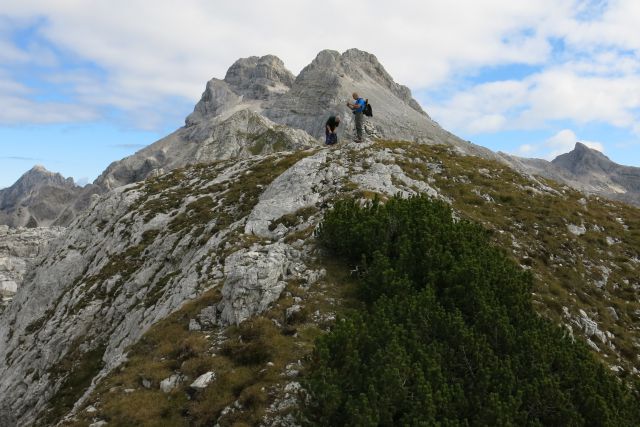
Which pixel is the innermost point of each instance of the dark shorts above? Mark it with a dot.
(331, 138)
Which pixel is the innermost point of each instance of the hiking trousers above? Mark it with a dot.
(359, 124)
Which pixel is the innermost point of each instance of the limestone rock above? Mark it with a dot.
(577, 230)
(238, 134)
(259, 78)
(19, 248)
(217, 98)
(169, 384)
(254, 279)
(203, 380)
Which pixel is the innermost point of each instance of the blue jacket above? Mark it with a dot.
(361, 104)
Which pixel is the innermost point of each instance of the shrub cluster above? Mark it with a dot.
(449, 335)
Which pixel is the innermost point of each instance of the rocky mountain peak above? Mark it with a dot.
(248, 79)
(39, 175)
(265, 86)
(32, 200)
(254, 67)
(259, 78)
(584, 160)
(292, 112)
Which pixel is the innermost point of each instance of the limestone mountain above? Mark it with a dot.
(289, 112)
(231, 242)
(39, 198)
(591, 167)
(587, 170)
(191, 289)
(262, 93)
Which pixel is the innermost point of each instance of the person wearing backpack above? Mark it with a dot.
(358, 107)
(330, 130)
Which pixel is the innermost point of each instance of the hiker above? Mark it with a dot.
(358, 108)
(330, 130)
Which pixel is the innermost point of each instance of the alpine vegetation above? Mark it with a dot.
(447, 334)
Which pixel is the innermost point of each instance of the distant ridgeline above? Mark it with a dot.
(449, 335)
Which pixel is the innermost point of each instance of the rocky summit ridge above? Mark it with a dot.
(143, 297)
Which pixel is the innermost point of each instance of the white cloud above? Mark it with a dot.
(149, 53)
(170, 49)
(558, 94)
(16, 107)
(16, 110)
(554, 94)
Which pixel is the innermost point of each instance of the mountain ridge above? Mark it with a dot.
(235, 236)
(273, 96)
(587, 170)
(143, 297)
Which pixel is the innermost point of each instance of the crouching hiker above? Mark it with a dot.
(358, 109)
(330, 130)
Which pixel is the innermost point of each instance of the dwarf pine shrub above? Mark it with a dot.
(449, 335)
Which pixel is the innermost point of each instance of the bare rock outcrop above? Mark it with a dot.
(19, 249)
(238, 134)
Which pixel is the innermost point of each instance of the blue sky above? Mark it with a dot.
(83, 84)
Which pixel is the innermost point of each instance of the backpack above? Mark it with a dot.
(367, 111)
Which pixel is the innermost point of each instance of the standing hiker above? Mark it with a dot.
(358, 108)
(330, 130)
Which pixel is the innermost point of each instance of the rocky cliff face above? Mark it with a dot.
(241, 134)
(591, 167)
(39, 198)
(18, 250)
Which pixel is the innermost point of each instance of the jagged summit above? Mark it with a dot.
(259, 78)
(36, 199)
(261, 90)
(584, 160)
(591, 167)
(322, 88)
(248, 79)
(587, 170)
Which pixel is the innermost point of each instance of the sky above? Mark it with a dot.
(84, 83)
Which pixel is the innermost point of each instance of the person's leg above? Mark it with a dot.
(359, 123)
(327, 137)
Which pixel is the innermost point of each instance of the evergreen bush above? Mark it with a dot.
(449, 335)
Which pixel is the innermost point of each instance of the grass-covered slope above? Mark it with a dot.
(449, 335)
